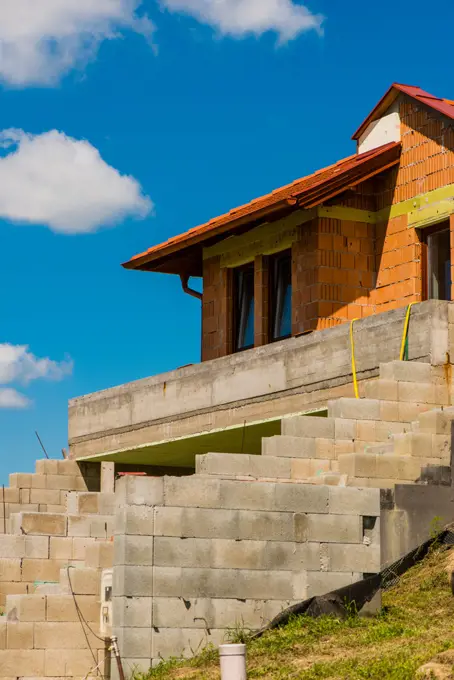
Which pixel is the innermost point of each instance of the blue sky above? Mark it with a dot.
(197, 108)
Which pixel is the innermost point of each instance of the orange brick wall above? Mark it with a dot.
(427, 163)
(261, 300)
(305, 293)
(333, 274)
(398, 263)
(216, 310)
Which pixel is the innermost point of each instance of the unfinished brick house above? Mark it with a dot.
(264, 479)
(365, 235)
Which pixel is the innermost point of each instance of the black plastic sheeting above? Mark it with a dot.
(340, 603)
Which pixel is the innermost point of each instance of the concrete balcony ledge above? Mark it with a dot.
(263, 384)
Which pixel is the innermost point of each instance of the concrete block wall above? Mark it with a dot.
(374, 441)
(41, 635)
(194, 556)
(45, 490)
(53, 554)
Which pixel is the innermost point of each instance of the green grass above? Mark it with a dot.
(415, 624)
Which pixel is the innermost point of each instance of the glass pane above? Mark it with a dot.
(282, 297)
(244, 312)
(439, 273)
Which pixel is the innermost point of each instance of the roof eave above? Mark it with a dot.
(158, 259)
(269, 211)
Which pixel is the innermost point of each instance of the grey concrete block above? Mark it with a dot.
(267, 555)
(355, 409)
(133, 550)
(382, 389)
(12, 546)
(289, 447)
(102, 527)
(20, 480)
(358, 464)
(37, 547)
(129, 581)
(246, 495)
(222, 463)
(385, 431)
(194, 491)
(39, 524)
(303, 469)
(133, 666)
(243, 464)
(354, 558)
(218, 613)
(302, 498)
(406, 371)
(418, 444)
(233, 524)
(183, 552)
(10, 569)
(312, 583)
(350, 501)
(416, 392)
(344, 428)
(46, 467)
(436, 421)
(177, 612)
(132, 612)
(184, 642)
(140, 491)
(79, 525)
(308, 426)
(134, 520)
(25, 608)
(398, 467)
(329, 528)
(135, 642)
(45, 496)
(441, 447)
(222, 583)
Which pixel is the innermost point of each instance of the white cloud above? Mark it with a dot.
(40, 40)
(11, 398)
(240, 17)
(63, 183)
(19, 365)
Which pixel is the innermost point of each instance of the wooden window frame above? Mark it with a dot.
(424, 233)
(235, 310)
(272, 293)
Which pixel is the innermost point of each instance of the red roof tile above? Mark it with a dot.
(444, 106)
(306, 192)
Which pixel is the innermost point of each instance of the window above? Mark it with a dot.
(281, 296)
(438, 264)
(243, 283)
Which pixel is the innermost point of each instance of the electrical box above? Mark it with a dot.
(106, 602)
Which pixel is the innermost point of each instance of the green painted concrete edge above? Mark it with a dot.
(181, 451)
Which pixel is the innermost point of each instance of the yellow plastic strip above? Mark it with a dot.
(352, 345)
(404, 336)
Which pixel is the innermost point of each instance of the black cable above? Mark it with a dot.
(83, 620)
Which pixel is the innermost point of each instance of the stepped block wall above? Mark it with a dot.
(51, 559)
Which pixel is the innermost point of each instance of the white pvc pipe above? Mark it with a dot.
(233, 662)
